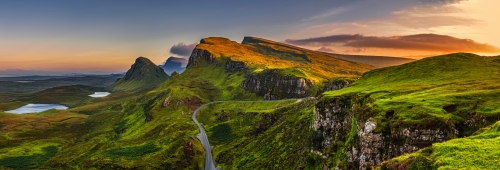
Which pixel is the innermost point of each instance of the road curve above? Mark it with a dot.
(209, 162)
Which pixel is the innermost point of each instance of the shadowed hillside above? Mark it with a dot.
(142, 74)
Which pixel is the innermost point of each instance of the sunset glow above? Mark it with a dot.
(108, 36)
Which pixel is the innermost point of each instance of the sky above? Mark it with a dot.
(96, 36)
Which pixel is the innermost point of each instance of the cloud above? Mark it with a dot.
(183, 49)
(419, 42)
(325, 49)
(326, 14)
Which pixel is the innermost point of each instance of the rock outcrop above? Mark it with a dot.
(270, 84)
(273, 85)
(200, 55)
(345, 126)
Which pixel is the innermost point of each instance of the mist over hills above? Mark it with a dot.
(174, 64)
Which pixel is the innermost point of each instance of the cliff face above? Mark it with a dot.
(198, 56)
(273, 85)
(344, 126)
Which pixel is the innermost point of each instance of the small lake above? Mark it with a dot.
(100, 94)
(36, 108)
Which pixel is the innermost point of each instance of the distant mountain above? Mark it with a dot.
(142, 74)
(21, 72)
(174, 64)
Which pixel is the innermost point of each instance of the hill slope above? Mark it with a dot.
(378, 61)
(142, 74)
(475, 152)
(274, 70)
(396, 110)
(66, 95)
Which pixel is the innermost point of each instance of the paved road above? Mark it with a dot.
(209, 162)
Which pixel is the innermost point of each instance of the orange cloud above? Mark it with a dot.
(418, 42)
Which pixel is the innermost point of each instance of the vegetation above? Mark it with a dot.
(146, 123)
(12, 88)
(479, 151)
(247, 135)
(66, 95)
(142, 74)
(446, 89)
(261, 54)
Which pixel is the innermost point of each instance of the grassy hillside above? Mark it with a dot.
(256, 135)
(11, 88)
(66, 95)
(142, 74)
(377, 61)
(106, 133)
(260, 54)
(445, 88)
(479, 151)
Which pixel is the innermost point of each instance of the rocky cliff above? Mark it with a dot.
(346, 133)
(273, 85)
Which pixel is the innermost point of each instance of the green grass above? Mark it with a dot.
(475, 152)
(29, 161)
(132, 152)
(418, 91)
(66, 95)
(248, 135)
(142, 75)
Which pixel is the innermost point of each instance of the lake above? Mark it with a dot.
(36, 108)
(99, 94)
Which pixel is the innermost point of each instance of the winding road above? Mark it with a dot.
(209, 162)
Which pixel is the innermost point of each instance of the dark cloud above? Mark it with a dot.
(325, 49)
(422, 42)
(328, 40)
(183, 49)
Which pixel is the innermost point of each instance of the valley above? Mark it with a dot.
(261, 104)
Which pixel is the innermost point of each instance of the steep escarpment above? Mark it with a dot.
(348, 135)
(398, 110)
(273, 85)
(273, 70)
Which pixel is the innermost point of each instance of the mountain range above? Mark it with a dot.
(174, 64)
(340, 112)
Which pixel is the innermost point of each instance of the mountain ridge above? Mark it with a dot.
(142, 74)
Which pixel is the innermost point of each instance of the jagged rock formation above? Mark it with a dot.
(273, 85)
(174, 64)
(344, 125)
(142, 74)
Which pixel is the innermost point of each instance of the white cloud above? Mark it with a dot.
(326, 14)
